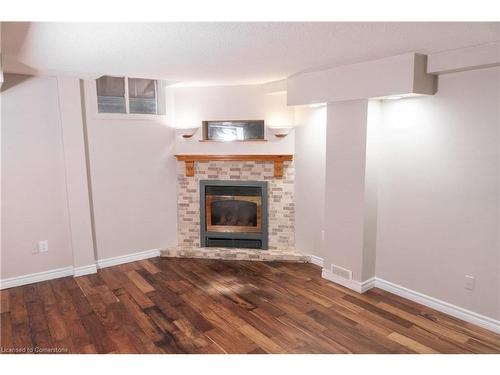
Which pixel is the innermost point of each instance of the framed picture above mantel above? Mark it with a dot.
(233, 130)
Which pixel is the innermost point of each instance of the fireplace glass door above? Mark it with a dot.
(233, 213)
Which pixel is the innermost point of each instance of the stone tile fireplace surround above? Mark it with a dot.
(281, 210)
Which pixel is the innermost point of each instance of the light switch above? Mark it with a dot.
(43, 246)
(469, 282)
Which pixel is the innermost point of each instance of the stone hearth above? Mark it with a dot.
(237, 254)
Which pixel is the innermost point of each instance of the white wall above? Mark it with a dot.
(310, 148)
(371, 189)
(196, 104)
(438, 186)
(34, 200)
(75, 163)
(45, 189)
(345, 185)
(133, 179)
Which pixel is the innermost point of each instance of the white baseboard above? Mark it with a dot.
(108, 262)
(439, 305)
(368, 284)
(434, 303)
(317, 260)
(84, 270)
(36, 277)
(76, 271)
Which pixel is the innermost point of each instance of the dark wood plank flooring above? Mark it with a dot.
(167, 305)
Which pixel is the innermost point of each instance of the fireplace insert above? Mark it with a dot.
(233, 214)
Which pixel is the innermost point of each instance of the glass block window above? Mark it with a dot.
(142, 96)
(111, 95)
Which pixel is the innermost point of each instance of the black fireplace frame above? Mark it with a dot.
(218, 239)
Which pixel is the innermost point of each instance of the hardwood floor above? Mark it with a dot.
(168, 305)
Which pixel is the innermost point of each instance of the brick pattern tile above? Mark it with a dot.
(280, 199)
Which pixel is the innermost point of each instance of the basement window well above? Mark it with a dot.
(128, 95)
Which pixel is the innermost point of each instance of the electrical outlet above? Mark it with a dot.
(43, 246)
(469, 282)
(322, 235)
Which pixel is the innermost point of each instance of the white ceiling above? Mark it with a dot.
(221, 53)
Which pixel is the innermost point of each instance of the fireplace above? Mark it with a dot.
(233, 214)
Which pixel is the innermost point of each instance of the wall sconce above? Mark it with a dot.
(280, 123)
(281, 132)
(188, 132)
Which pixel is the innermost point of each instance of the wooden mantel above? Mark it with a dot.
(278, 160)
